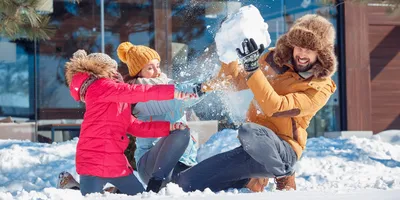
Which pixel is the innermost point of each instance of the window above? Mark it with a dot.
(78, 27)
(16, 69)
(193, 52)
(124, 21)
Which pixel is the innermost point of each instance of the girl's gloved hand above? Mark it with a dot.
(184, 95)
(198, 89)
(178, 126)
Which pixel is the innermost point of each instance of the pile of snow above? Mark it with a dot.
(34, 166)
(390, 136)
(348, 164)
(52, 193)
(340, 168)
(246, 23)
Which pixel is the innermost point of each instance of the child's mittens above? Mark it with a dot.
(184, 95)
(178, 126)
(198, 89)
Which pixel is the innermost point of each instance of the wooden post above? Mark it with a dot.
(384, 48)
(358, 85)
(163, 34)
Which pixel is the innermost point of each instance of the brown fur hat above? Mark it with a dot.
(311, 32)
(99, 65)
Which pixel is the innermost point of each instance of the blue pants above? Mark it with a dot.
(161, 161)
(262, 154)
(129, 185)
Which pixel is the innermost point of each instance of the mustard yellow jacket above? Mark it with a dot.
(283, 100)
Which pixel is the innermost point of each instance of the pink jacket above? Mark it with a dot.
(107, 120)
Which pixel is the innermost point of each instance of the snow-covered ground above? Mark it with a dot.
(346, 169)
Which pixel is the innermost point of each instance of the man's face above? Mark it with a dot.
(303, 58)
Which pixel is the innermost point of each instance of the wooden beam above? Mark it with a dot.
(358, 83)
(61, 113)
(163, 34)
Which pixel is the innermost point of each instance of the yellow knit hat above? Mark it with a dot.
(136, 56)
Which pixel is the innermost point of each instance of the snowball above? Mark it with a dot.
(246, 23)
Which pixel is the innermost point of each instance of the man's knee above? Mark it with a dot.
(253, 128)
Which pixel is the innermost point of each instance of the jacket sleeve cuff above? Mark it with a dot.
(257, 80)
(164, 129)
(169, 91)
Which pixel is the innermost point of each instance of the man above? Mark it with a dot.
(290, 84)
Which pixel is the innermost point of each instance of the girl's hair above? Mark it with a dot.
(131, 79)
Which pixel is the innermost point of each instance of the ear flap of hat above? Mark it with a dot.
(283, 51)
(74, 65)
(326, 65)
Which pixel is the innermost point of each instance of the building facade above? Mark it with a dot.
(32, 85)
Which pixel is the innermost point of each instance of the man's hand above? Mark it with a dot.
(250, 54)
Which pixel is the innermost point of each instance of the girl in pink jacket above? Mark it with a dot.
(94, 80)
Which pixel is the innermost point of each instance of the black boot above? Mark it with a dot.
(154, 185)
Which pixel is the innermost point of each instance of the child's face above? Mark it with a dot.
(151, 69)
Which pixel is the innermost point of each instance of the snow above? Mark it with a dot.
(391, 136)
(34, 166)
(236, 104)
(222, 141)
(342, 168)
(349, 164)
(246, 23)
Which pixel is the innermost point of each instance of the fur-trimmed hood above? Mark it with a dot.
(96, 64)
(311, 32)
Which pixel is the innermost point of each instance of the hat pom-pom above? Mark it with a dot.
(80, 54)
(123, 50)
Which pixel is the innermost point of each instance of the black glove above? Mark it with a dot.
(197, 89)
(250, 54)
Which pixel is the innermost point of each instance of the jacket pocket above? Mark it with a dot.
(121, 142)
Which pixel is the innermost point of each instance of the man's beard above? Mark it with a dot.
(302, 68)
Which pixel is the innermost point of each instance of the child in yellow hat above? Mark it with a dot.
(158, 160)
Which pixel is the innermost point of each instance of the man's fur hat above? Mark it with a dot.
(311, 32)
(99, 65)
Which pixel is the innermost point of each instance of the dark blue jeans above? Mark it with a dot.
(262, 154)
(161, 161)
(129, 185)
